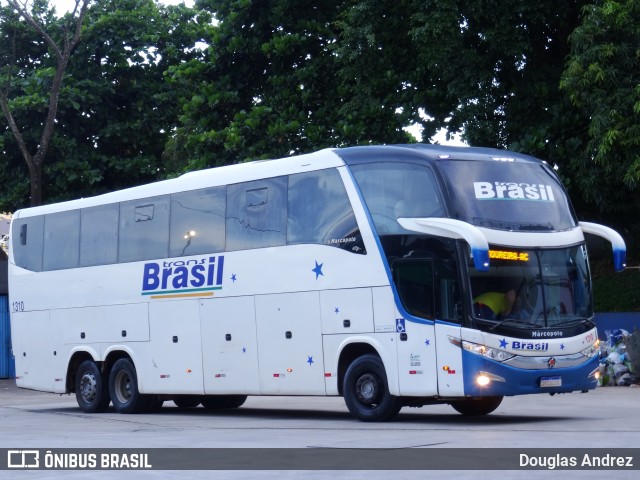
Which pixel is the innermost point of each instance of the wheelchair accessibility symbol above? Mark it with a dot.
(400, 325)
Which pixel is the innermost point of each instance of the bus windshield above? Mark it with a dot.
(541, 288)
(512, 196)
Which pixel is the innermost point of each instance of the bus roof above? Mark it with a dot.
(353, 155)
(243, 172)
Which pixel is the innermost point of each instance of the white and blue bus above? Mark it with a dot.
(390, 275)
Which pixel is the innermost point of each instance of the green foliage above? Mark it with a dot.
(602, 79)
(269, 86)
(272, 78)
(116, 109)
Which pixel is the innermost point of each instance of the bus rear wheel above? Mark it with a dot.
(366, 392)
(92, 389)
(219, 402)
(476, 406)
(123, 388)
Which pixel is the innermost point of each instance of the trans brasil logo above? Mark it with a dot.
(513, 191)
(183, 278)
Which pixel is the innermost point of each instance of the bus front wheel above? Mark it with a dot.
(123, 387)
(477, 405)
(92, 389)
(366, 392)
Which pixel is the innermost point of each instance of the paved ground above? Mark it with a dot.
(608, 418)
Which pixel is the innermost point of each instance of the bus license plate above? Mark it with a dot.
(546, 382)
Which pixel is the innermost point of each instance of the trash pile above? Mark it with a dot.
(619, 359)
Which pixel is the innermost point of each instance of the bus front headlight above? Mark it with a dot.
(592, 350)
(489, 352)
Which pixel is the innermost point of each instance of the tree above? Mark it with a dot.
(602, 79)
(269, 85)
(120, 111)
(116, 110)
(61, 42)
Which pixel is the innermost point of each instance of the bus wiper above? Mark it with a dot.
(514, 320)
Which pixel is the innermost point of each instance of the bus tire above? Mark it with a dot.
(366, 392)
(476, 406)
(123, 388)
(220, 402)
(187, 401)
(154, 403)
(92, 388)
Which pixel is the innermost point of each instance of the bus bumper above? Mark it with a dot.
(485, 377)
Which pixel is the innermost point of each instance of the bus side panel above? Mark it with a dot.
(417, 359)
(33, 347)
(449, 363)
(103, 324)
(175, 363)
(229, 345)
(290, 344)
(346, 311)
(384, 309)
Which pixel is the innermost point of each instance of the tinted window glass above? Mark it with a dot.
(197, 222)
(320, 211)
(257, 214)
(99, 235)
(144, 229)
(398, 190)
(512, 196)
(27, 242)
(61, 240)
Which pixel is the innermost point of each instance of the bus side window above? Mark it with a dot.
(144, 229)
(319, 211)
(27, 242)
(256, 214)
(448, 298)
(197, 222)
(414, 282)
(99, 235)
(61, 240)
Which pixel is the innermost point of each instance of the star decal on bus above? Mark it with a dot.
(310, 360)
(234, 277)
(504, 343)
(318, 269)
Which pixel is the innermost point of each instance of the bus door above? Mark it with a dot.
(429, 293)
